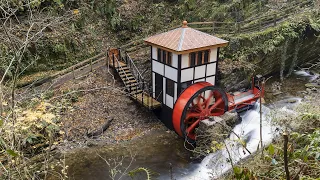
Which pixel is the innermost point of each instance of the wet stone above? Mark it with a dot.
(212, 132)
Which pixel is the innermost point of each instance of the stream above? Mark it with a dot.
(163, 152)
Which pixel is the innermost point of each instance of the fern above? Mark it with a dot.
(148, 172)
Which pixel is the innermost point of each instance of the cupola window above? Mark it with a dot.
(164, 56)
(198, 58)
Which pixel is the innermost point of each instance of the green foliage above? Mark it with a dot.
(11, 153)
(147, 171)
(243, 173)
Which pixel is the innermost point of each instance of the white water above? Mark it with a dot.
(215, 164)
(306, 74)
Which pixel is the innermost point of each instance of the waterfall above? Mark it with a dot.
(216, 164)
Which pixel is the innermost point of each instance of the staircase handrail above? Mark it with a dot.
(120, 68)
(135, 71)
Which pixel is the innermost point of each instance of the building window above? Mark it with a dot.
(185, 85)
(159, 55)
(170, 87)
(165, 56)
(198, 58)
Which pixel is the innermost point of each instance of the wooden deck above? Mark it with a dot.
(116, 64)
(147, 101)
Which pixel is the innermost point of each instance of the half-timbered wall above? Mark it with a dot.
(189, 75)
(168, 72)
(204, 72)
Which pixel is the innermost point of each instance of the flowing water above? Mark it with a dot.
(163, 152)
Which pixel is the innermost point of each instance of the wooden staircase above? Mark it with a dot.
(135, 85)
(129, 80)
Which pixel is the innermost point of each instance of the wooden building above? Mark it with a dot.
(179, 58)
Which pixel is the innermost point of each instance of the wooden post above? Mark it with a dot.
(213, 27)
(126, 58)
(107, 59)
(274, 19)
(148, 101)
(91, 65)
(113, 60)
(119, 54)
(74, 76)
(142, 91)
(285, 154)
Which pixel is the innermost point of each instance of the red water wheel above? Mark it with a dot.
(196, 103)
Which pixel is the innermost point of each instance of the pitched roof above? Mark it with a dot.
(184, 39)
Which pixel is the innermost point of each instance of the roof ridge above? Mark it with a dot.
(181, 39)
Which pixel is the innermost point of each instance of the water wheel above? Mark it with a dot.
(196, 103)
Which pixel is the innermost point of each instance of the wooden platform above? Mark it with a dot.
(116, 65)
(147, 101)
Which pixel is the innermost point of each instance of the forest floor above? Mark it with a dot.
(90, 109)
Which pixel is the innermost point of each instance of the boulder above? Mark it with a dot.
(212, 132)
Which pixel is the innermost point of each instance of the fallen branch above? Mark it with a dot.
(101, 130)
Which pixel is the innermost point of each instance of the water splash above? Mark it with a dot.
(216, 164)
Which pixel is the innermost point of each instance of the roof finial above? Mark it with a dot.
(185, 24)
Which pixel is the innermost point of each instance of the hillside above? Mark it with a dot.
(46, 108)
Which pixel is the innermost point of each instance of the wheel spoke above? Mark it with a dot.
(207, 101)
(219, 101)
(192, 126)
(191, 115)
(199, 104)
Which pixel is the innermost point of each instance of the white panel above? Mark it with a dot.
(175, 92)
(199, 80)
(211, 69)
(174, 60)
(200, 72)
(211, 79)
(213, 54)
(185, 61)
(164, 90)
(154, 53)
(186, 75)
(169, 101)
(154, 85)
(157, 67)
(171, 73)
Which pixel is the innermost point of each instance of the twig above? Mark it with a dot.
(228, 128)
(301, 169)
(230, 158)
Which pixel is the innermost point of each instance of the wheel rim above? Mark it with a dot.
(200, 101)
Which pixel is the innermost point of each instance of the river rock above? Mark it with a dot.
(231, 118)
(312, 85)
(212, 132)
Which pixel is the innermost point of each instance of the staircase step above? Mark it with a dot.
(130, 81)
(135, 92)
(124, 68)
(133, 88)
(133, 84)
(126, 75)
(125, 72)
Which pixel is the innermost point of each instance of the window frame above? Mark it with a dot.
(170, 83)
(164, 56)
(194, 58)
